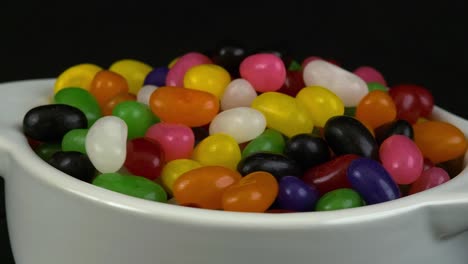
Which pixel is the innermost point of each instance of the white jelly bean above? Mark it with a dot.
(145, 92)
(346, 85)
(239, 92)
(242, 123)
(106, 144)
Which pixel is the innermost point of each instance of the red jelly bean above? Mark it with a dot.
(426, 100)
(293, 84)
(145, 157)
(429, 178)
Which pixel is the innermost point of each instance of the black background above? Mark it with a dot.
(422, 43)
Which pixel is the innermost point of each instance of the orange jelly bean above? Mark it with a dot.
(439, 141)
(376, 108)
(107, 85)
(203, 187)
(255, 192)
(189, 107)
(109, 105)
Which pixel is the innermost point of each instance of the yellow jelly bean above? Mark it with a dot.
(80, 75)
(173, 169)
(209, 78)
(283, 113)
(133, 71)
(321, 103)
(172, 62)
(218, 149)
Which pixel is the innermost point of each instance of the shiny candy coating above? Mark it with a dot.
(73, 163)
(218, 149)
(242, 123)
(184, 106)
(269, 141)
(254, 192)
(157, 76)
(372, 86)
(145, 92)
(112, 103)
(401, 157)
(266, 72)
(347, 86)
(283, 113)
(106, 85)
(238, 93)
(75, 140)
(176, 140)
(425, 98)
(429, 178)
(106, 144)
(370, 74)
(49, 123)
(80, 75)
(173, 169)
(376, 108)
(294, 194)
(396, 127)
(131, 185)
(204, 187)
(293, 83)
(230, 57)
(310, 59)
(175, 76)
(277, 164)
(81, 99)
(370, 179)
(137, 116)
(209, 78)
(134, 71)
(339, 199)
(46, 150)
(145, 157)
(307, 150)
(321, 104)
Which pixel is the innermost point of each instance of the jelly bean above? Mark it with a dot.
(174, 169)
(401, 157)
(184, 106)
(200, 133)
(209, 78)
(412, 102)
(454, 166)
(370, 179)
(218, 149)
(144, 94)
(73, 163)
(372, 86)
(134, 71)
(107, 85)
(293, 83)
(277, 164)
(307, 150)
(242, 123)
(145, 157)
(131, 185)
(283, 113)
(370, 74)
(376, 108)
(347, 86)
(157, 76)
(230, 57)
(330, 175)
(175, 76)
(80, 75)
(238, 93)
(429, 178)
(269, 141)
(347, 135)
(106, 144)
(110, 105)
(81, 99)
(439, 141)
(296, 195)
(137, 116)
(427, 164)
(426, 100)
(172, 63)
(294, 66)
(254, 192)
(75, 140)
(350, 111)
(176, 140)
(339, 199)
(204, 187)
(310, 59)
(396, 127)
(49, 123)
(266, 72)
(320, 103)
(46, 150)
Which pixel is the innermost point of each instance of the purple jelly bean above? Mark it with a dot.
(157, 76)
(294, 194)
(370, 179)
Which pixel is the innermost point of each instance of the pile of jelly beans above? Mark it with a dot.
(245, 132)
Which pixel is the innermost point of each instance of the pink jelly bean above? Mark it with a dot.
(176, 140)
(369, 74)
(266, 72)
(175, 76)
(429, 178)
(402, 158)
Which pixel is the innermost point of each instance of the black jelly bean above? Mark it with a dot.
(307, 150)
(73, 163)
(49, 123)
(347, 135)
(277, 164)
(397, 127)
(230, 56)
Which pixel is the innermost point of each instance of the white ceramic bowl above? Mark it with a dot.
(55, 219)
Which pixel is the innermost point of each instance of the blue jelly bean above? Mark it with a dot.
(295, 195)
(157, 76)
(370, 179)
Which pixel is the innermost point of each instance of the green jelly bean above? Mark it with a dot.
(350, 111)
(270, 140)
(372, 86)
(74, 140)
(81, 99)
(137, 116)
(131, 185)
(339, 199)
(46, 150)
(294, 66)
